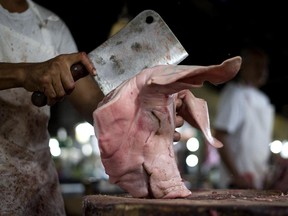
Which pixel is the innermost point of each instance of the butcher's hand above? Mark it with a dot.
(53, 77)
(179, 121)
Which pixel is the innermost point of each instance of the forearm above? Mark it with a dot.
(52, 77)
(12, 74)
(86, 97)
(228, 162)
(225, 155)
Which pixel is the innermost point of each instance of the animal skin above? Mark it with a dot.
(135, 124)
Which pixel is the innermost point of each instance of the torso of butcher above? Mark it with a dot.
(29, 181)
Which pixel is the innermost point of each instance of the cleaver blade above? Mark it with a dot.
(146, 41)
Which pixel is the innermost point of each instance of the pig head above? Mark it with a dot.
(135, 124)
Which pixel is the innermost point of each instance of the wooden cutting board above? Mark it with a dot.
(206, 202)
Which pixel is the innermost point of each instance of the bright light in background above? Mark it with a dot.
(284, 152)
(54, 147)
(192, 144)
(62, 134)
(192, 160)
(276, 146)
(83, 132)
(87, 149)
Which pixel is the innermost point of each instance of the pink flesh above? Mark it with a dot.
(134, 125)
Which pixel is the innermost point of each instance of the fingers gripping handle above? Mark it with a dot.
(78, 71)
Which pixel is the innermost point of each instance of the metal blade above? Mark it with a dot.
(146, 41)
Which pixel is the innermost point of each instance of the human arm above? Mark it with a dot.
(53, 77)
(238, 180)
(86, 97)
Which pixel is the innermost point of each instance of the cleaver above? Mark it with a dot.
(146, 41)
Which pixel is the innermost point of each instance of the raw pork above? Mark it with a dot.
(134, 125)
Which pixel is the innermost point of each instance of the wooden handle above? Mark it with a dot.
(78, 71)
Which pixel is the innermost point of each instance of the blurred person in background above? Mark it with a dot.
(36, 53)
(244, 124)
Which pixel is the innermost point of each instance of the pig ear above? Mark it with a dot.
(195, 112)
(195, 76)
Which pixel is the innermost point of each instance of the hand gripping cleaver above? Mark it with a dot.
(146, 41)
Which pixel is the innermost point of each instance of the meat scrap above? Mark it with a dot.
(135, 124)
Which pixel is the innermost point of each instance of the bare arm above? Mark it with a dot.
(53, 77)
(86, 96)
(12, 75)
(239, 180)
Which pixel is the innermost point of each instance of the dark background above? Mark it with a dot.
(210, 30)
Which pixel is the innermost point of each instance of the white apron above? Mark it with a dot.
(28, 179)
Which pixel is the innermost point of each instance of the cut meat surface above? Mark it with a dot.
(135, 124)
